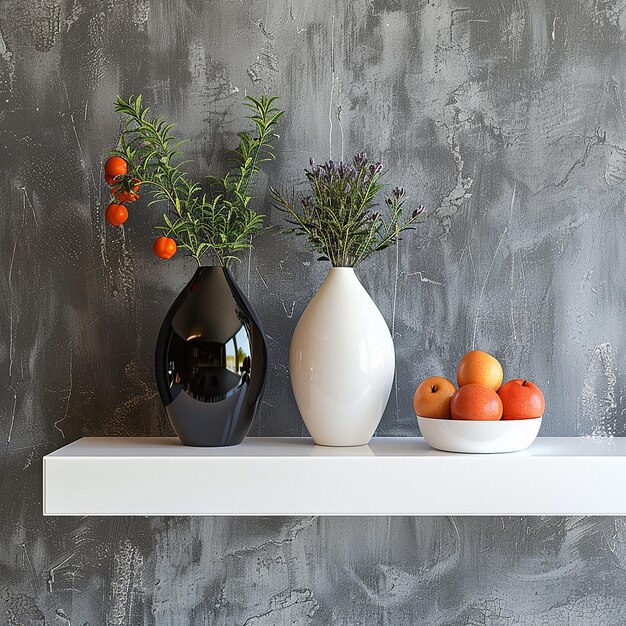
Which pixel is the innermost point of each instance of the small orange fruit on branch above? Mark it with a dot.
(115, 166)
(127, 190)
(116, 214)
(164, 247)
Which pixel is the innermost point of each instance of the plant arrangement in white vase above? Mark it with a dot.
(342, 358)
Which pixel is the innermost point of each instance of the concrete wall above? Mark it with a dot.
(506, 119)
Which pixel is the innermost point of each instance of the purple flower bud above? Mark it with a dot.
(398, 193)
(376, 168)
(312, 162)
(420, 209)
(306, 200)
(360, 159)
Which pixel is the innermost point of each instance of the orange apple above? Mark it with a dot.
(521, 400)
(476, 402)
(480, 367)
(432, 397)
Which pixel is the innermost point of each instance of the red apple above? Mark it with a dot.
(521, 400)
(475, 402)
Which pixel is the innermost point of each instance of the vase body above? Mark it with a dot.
(342, 362)
(211, 361)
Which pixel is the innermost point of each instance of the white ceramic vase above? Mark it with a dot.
(342, 362)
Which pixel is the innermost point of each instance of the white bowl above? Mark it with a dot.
(479, 437)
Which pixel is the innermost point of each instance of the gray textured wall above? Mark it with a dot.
(504, 118)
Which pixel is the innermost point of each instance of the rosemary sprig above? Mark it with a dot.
(215, 218)
(338, 217)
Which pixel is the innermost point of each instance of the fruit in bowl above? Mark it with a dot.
(432, 397)
(521, 400)
(482, 415)
(482, 368)
(476, 402)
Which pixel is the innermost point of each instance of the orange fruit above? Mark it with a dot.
(480, 367)
(432, 397)
(521, 400)
(476, 402)
(126, 191)
(115, 166)
(164, 247)
(116, 214)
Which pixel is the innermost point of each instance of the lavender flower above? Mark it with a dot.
(420, 209)
(360, 159)
(341, 217)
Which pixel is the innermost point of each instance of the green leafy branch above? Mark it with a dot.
(218, 219)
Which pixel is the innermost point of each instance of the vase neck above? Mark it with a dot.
(210, 269)
(210, 273)
(342, 278)
(341, 270)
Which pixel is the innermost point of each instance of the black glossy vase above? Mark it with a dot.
(211, 361)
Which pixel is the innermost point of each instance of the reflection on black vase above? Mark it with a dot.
(211, 361)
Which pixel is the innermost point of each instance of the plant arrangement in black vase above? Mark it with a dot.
(342, 359)
(211, 355)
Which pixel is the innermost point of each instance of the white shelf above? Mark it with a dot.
(292, 476)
